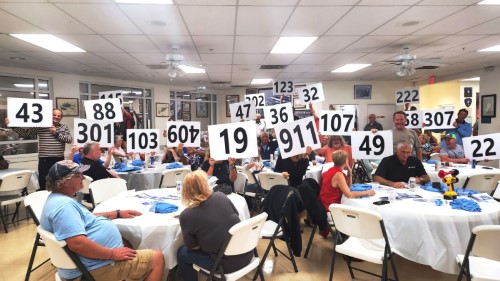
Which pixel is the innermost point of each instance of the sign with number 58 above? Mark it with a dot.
(29, 112)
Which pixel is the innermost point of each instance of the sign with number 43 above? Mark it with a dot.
(367, 145)
(29, 112)
(483, 147)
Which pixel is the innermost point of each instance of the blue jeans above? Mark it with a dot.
(186, 258)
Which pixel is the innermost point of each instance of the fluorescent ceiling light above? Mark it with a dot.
(167, 2)
(261, 81)
(29, 85)
(472, 79)
(191, 69)
(49, 42)
(292, 45)
(491, 49)
(351, 67)
(489, 2)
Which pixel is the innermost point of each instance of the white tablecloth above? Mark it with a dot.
(426, 233)
(463, 169)
(145, 179)
(155, 231)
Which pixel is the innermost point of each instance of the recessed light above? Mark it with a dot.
(49, 42)
(261, 81)
(292, 45)
(489, 2)
(491, 49)
(19, 85)
(164, 2)
(350, 67)
(17, 58)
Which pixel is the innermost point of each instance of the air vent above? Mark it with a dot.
(273, 66)
(428, 67)
(239, 86)
(157, 66)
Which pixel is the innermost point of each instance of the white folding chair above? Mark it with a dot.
(13, 189)
(240, 183)
(482, 183)
(496, 192)
(482, 257)
(170, 177)
(270, 179)
(103, 189)
(361, 225)
(252, 179)
(435, 156)
(243, 237)
(34, 203)
(86, 183)
(61, 256)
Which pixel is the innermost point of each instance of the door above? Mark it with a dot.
(384, 115)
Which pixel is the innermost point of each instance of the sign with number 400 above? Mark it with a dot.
(367, 145)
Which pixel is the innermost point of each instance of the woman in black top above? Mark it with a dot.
(224, 170)
(294, 168)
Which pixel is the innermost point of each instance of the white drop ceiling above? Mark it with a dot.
(231, 39)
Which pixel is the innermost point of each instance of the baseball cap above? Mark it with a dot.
(65, 167)
(450, 136)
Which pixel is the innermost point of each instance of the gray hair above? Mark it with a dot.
(87, 147)
(404, 143)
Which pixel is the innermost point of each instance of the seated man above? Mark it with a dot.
(396, 170)
(452, 152)
(91, 156)
(93, 237)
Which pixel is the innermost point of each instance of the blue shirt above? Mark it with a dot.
(66, 218)
(77, 158)
(462, 131)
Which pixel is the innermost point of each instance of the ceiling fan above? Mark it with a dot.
(174, 64)
(407, 63)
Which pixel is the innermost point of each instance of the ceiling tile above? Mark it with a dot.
(207, 20)
(165, 43)
(11, 43)
(214, 44)
(149, 58)
(118, 58)
(85, 58)
(218, 67)
(410, 42)
(377, 17)
(254, 44)
(101, 18)
(12, 24)
(311, 58)
(219, 76)
(387, 2)
(313, 21)
(207, 3)
(91, 43)
(268, 2)
(280, 58)
(370, 43)
(327, 2)
(249, 58)
(156, 19)
(447, 2)
(375, 57)
(297, 68)
(490, 27)
(269, 22)
(133, 43)
(331, 44)
(246, 68)
(216, 58)
(339, 60)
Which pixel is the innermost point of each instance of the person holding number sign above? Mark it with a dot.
(294, 168)
(399, 133)
(51, 143)
(336, 143)
(462, 128)
(267, 147)
(396, 170)
(452, 152)
(225, 171)
(91, 156)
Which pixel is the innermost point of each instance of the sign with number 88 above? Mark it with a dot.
(104, 109)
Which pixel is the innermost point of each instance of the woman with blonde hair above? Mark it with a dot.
(205, 223)
(336, 143)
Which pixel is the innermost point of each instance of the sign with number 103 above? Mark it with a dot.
(143, 140)
(29, 112)
(367, 145)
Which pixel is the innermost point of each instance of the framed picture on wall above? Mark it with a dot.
(362, 91)
(186, 116)
(488, 106)
(186, 107)
(162, 109)
(202, 109)
(69, 106)
(229, 100)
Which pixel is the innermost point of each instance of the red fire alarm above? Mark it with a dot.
(432, 79)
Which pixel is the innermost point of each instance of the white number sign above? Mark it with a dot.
(187, 133)
(283, 87)
(29, 112)
(336, 122)
(86, 130)
(294, 137)
(112, 95)
(242, 111)
(408, 95)
(143, 140)
(414, 119)
(438, 119)
(258, 99)
(367, 145)
(238, 140)
(311, 93)
(106, 109)
(483, 147)
(278, 114)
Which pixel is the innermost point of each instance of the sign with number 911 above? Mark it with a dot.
(86, 130)
(367, 145)
(187, 133)
(105, 109)
(29, 112)
(483, 147)
(143, 140)
(242, 111)
(438, 119)
(237, 140)
(294, 137)
(278, 114)
(336, 122)
(414, 119)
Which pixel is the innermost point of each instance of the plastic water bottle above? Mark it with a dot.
(276, 153)
(473, 164)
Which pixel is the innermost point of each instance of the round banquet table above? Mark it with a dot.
(425, 233)
(145, 179)
(465, 170)
(156, 231)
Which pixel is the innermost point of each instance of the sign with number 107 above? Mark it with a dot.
(29, 112)
(295, 137)
(367, 145)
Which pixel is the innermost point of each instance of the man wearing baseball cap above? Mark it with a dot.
(452, 152)
(93, 237)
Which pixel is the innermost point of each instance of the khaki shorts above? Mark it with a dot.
(135, 269)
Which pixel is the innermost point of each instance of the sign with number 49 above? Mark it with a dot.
(367, 145)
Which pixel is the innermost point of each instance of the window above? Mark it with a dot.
(193, 106)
